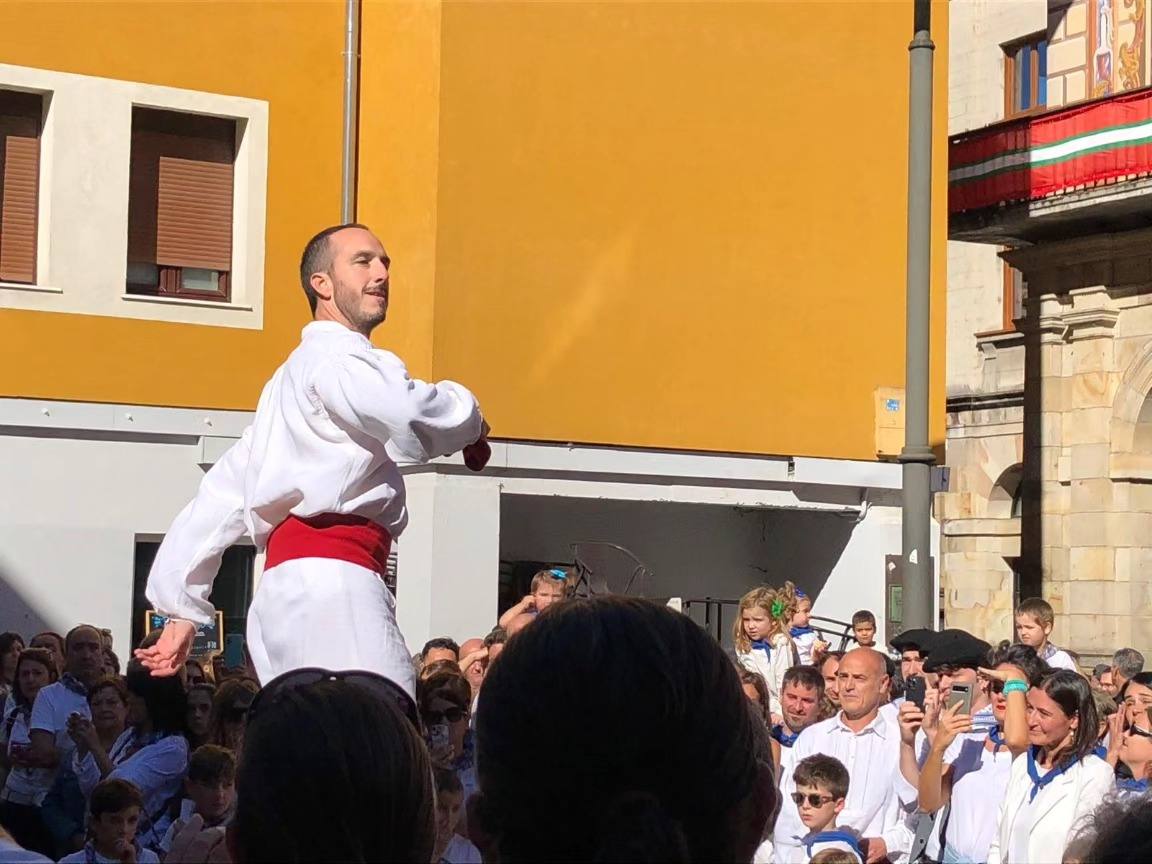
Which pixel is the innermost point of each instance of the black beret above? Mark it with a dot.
(960, 650)
(918, 639)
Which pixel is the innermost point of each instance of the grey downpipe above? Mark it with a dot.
(917, 457)
(351, 110)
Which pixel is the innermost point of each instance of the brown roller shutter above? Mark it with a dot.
(180, 192)
(19, 184)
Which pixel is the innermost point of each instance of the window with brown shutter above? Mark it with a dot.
(20, 116)
(180, 204)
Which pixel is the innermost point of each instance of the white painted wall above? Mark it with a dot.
(70, 510)
(708, 550)
(976, 31)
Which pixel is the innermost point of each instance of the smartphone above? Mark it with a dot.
(962, 694)
(234, 651)
(914, 690)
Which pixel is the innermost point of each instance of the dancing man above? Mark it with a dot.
(314, 481)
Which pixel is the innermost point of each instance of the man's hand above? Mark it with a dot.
(83, 734)
(875, 849)
(951, 724)
(167, 657)
(931, 712)
(125, 852)
(911, 719)
(468, 659)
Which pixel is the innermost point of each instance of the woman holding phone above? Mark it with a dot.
(1055, 786)
(972, 775)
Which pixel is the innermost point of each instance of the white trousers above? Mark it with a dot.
(330, 614)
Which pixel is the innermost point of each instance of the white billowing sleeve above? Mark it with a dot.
(373, 393)
(180, 581)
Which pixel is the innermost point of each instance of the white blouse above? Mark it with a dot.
(330, 427)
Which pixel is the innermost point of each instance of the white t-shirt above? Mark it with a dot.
(460, 851)
(34, 782)
(143, 856)
(979, 784)
(54, 704)
(1058, 659)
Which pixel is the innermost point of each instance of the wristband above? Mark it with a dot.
(1015, 686)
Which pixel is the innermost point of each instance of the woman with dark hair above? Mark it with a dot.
(11, 644)
(333, 770)
(152, 753)
(1135, 697)
(26, 785)
(108, 700)
(632, 716)
(229, 711)
(1057, 784)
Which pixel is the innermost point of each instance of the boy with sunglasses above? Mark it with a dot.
(821, 790)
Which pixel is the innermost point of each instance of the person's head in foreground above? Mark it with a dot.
(333, 769)
(821, 788)
(660, 753)
(1120, 833)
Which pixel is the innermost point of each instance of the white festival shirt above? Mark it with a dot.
(872, 757)
(329, 429)
(1058, 658)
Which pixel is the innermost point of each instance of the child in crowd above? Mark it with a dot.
(450, 847)
(807, 641)
(760, 635)
(113, 815)
(864, 628)
(548, 587)
(821, 790)
(1034, 622)
(211, 789)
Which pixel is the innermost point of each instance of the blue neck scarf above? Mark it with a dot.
(800, 631)
(1100, 751)
(1039, 782)
(761, 645)
(73, 684)
(1132, 785)
(996, 737)
(784, 739)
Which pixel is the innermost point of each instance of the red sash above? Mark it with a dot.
(354, 539)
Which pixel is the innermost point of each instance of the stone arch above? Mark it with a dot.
(1006, 498)
(1130, 449)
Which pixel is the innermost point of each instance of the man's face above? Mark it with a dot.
(831, 686)
(865, 633)
(1107, 684)
(199, 712)
(911, 663)
(85, 654)
(801, 705)
(212, 800)
(862, 682)
(357, 281)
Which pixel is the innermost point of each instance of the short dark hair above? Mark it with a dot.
(805, 676)
(317, 258)
(7, 640)
(1023, 657)
(1101, 669)
(440, 642)
(114, 796)
(497, 636)
(164, 698)
(210, 764)
(863, 617)
(821, 770)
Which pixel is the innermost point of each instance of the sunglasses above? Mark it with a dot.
(377, 685)
(814, 800)
(452, 715)
(1138, 732)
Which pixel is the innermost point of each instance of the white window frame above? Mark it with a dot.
(82, 236)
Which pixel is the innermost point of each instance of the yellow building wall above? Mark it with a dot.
(654, 224)
(288, 53)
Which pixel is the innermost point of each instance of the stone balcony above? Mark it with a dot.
(1078, 170)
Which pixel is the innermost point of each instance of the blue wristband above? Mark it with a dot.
(1015, 686)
